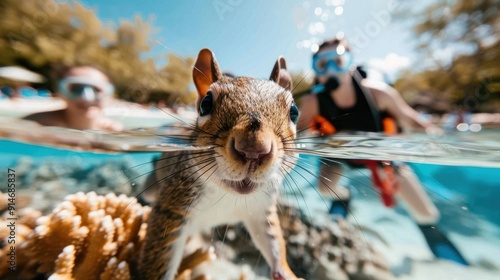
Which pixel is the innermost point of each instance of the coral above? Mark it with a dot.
(25, 223)
(3, 201)
(87, 236)
(64, 264)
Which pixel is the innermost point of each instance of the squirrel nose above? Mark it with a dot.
(253, 147)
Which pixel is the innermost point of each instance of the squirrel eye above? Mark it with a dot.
(294, 113)
(206, 104)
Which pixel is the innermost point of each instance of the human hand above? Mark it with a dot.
(110, 125)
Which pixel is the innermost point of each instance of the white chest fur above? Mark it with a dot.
(217, 206)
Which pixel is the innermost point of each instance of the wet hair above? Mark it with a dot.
(332, 42)
(64, 70)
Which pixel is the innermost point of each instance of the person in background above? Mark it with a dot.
(341, 101)
(458, 119)
(86, 91)
(16, 82)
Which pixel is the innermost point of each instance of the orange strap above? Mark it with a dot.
(386, 184)
(321, 124)
(390, 126)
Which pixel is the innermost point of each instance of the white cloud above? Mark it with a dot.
(390, 64)
(387, 68)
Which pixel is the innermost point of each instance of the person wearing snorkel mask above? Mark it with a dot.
(342, 100)
(86, 92)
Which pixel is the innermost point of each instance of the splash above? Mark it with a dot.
(459, 149)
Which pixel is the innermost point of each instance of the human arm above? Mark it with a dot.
(388, 99)
(49, 118)
(110, 125)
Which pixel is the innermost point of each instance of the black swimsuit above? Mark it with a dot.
(363, 116)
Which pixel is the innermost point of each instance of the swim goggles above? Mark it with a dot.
(331, 62)
(84, 88)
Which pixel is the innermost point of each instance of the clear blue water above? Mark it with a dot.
(477, 188)
(466, 196)
(11, 151)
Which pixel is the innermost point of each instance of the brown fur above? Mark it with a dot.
(167, 216)
(250, 131)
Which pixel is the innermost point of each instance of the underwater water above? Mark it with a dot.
(466, 197)
(461, 173)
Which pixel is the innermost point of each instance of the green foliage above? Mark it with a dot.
(44, 35)
(460, 48)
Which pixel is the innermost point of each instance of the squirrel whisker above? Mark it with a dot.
(208, 161)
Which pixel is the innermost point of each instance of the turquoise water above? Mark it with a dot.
(11, 151)
(467, 196)
(472, 188)
(477, 188)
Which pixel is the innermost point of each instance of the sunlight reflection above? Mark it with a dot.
(322, 19)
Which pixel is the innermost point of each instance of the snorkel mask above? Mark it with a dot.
(331, 62)
(84, 88)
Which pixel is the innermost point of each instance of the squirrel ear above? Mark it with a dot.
(205, 72)
(280, 75)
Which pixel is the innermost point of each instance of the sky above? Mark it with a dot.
(248, 36)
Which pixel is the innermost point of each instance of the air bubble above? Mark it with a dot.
(340, 49)
(339, 10)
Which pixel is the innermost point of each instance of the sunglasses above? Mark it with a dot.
(84, 88)
(331, 62)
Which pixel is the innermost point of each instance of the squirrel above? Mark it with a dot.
(251, 126)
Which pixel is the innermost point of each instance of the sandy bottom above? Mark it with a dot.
(397, 237)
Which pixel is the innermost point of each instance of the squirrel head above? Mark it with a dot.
(249, 121)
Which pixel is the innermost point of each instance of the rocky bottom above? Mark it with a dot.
(320, 249)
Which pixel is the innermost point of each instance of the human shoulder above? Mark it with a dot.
(308, 110)
(382, 92)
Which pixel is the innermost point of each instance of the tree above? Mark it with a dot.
(44, 36)
(177, 74)
(459, 43)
